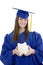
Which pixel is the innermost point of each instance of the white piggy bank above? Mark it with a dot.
(23, 48)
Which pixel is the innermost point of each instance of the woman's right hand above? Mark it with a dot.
(15, 51)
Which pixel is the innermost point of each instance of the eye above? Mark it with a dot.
(20, 19)
(25, 19)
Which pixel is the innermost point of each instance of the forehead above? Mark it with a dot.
(22, 18)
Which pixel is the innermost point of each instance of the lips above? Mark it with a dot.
(22, 23)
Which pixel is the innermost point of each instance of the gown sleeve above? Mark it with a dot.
(38, 46)
(6, 52)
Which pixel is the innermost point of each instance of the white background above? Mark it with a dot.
(7, 16)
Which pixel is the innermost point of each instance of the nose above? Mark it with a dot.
(23, 20)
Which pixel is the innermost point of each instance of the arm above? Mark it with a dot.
(6, 52)
(38, 56)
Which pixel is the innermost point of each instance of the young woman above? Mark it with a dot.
(10, 54)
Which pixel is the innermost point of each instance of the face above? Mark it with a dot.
(22, 22)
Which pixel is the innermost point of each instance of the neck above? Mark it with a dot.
(22, 30)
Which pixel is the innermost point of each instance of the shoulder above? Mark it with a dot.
(35, 35)
(35, 39)
(6, 43)
(9, 36)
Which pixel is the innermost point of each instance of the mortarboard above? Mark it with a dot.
(24, 14)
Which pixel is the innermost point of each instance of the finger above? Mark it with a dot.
(20, 54)
(16, 47)
(26, 54)
(18, 51)
(29, 47)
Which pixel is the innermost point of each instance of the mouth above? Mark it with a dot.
(22, 23)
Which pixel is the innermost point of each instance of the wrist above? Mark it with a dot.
(33, 51)
(13, 52)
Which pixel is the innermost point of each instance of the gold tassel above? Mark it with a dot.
(30, 26)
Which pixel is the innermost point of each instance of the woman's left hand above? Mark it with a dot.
(30, 51)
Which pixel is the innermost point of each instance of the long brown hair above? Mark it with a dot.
(16, 31)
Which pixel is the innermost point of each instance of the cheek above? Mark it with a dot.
(22, 23)
(26, 22)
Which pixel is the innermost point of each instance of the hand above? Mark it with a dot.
(15, 51)
(30, 51)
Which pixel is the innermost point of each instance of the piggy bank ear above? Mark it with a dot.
(19, 44)
(25, 43)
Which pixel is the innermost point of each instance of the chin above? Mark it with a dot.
(22, 26)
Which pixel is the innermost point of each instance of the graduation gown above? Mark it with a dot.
(34, 40)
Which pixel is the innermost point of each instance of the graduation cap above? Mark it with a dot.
(24, 14)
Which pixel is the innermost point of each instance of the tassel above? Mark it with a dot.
(30, 26)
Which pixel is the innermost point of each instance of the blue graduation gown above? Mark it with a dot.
(34, 40)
